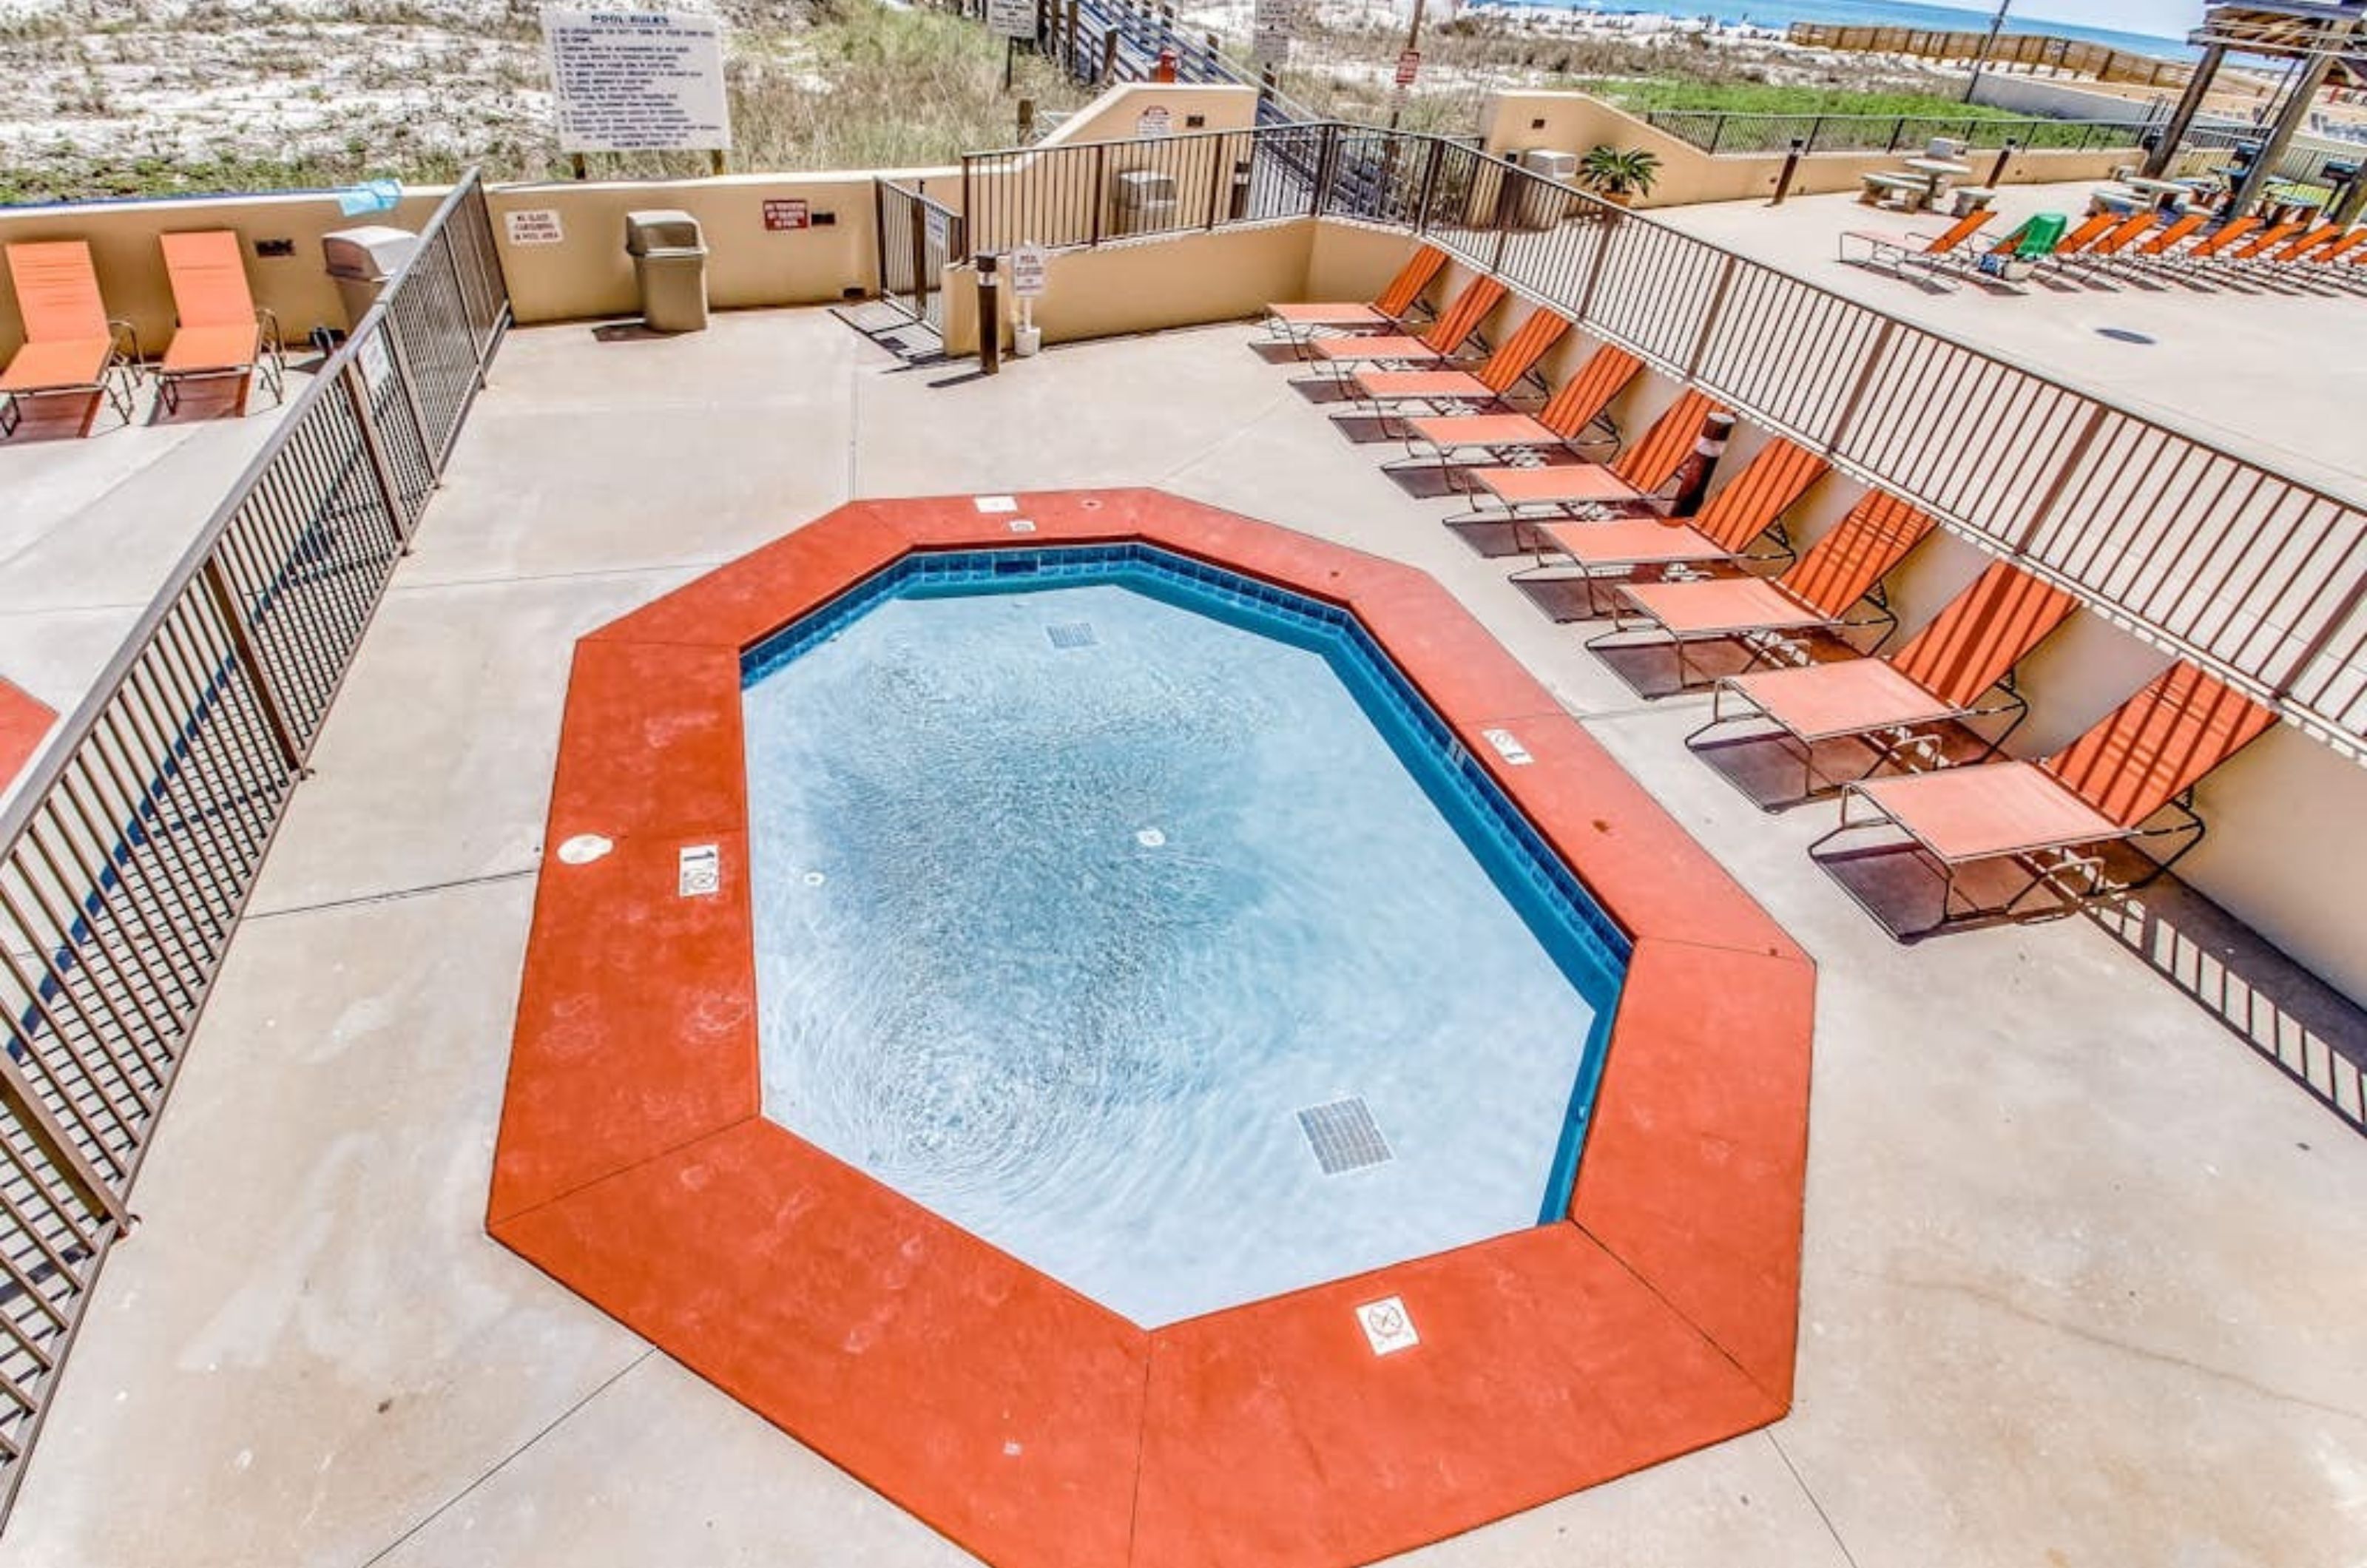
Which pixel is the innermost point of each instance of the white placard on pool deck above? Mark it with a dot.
(700, 872)
(637, 81)
(1387, 1326)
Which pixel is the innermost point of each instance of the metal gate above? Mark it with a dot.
(918, 237)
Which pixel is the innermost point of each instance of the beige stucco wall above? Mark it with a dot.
(122, 237)
(590, 275)
(1149, 285)
(1515, 122)
(1113, 116)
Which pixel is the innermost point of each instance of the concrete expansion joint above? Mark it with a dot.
(397, 895)
(2097, 1337)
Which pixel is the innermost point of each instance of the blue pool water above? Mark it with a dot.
(1079, 875)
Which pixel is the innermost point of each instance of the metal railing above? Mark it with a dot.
(918, 237)
(1716, 132)
(128, 853)
(2201, 551)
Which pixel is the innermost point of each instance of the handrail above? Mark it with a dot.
(129, 852)
(54, 761)
(1715, 132)
(2256, 575)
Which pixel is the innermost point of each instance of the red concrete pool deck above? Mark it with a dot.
(24, 720)
(1022, 1420)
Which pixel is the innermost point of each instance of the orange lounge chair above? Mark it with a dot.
(1959, 667)
(2132, 776)
(1746, 507)
(1452, 329)
(2249, 249)
(1563, 421)
(1387, 313)
(2109, 246)
(2212, 246)
(220, 330)
(2165, 239)
(1504, 370)
(1902, 249)
(1630, 481)
(70, 347)
(1769, 616)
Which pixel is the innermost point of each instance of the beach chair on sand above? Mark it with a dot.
(71, 348)
(1387, 313)
(1505, 369)
(1897, 252)
(1454, 328)
(1832, 590)
(1577, 408)
(1747, 508)
(222, 332)
(1959, 667)
(2130, 778)
(1570, 489)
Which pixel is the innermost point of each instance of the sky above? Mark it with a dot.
(2169, 18)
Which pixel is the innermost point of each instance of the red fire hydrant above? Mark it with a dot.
(1165, 70)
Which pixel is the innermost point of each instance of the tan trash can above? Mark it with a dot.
(361, 261)
(670, 265)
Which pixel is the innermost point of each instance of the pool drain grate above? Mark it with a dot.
(1072, 634)
(1344, 1136)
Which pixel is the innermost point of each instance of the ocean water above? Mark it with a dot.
(1070, 901)
(1781, 14)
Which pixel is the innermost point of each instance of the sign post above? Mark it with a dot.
(1010, 20)
(637, 82)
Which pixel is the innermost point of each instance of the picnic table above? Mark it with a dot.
(2168, 194)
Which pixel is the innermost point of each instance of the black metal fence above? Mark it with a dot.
(2198, 549)
(129, 853)
(919, 237)
(1718, 131)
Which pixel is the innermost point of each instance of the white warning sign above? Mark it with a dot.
(637, 81)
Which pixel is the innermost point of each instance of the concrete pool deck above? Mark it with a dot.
(2080, 1265)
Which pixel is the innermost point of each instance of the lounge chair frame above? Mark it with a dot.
(1910, 747)
(117, 381)
(270, 366)
(2076, 873)
(1776, 648)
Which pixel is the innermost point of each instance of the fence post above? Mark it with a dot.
(1594, 272)
(283, 732)
(1429, 185)
(1109, 57)
(1709, 317)
(2065, 472)
(1327, 166)
(1216, 182)
(1716, 133)
(393, 337)
(1099, 194)
(358, 393)
(1898, 131)
(1870, 367)
(1815, 128)
(34, 1115)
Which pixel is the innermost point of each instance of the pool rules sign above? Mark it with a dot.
(637, 81)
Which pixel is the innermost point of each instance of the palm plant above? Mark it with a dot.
(1620, 173)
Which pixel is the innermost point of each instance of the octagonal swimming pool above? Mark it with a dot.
(1143, 921)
